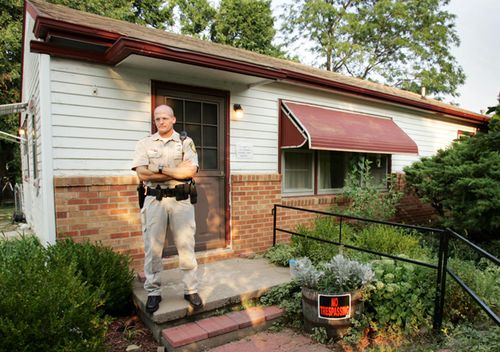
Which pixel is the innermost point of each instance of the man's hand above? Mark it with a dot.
(184, 170)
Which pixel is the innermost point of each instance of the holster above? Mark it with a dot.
(193, 194)
(141, 194)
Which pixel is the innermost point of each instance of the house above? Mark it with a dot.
(92, 82)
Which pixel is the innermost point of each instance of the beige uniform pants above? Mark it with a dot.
(156, 216)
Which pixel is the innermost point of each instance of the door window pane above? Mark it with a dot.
(209, 136)
(209, 159)
(210, 114)
(194, 131)
(178, 106)
(298, 173)
(193, 112)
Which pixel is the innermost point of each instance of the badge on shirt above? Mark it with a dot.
(153, 153)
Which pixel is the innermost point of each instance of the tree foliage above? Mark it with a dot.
(404, 43)
(463, 182)
(246, 24)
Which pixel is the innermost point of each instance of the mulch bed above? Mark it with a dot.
(126, 331)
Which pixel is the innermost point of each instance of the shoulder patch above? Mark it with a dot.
(191, 145)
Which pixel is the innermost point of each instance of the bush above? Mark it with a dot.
(462, 183)
(105, 271)
(324, 227)
(289, 297)
(483, 278)
(402, 299)
(474, 339)
(280, 254)
(391, 240)
(45, 307)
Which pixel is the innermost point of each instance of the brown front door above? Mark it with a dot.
(202, 115)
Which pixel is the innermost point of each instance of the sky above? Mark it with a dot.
(478, 27)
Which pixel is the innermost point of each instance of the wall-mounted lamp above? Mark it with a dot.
(238, 111)
(22, 132)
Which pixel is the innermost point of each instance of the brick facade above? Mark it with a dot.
(105, 209)
(101, 209)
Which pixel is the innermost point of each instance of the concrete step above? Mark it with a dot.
(218, 330)
(223, 284)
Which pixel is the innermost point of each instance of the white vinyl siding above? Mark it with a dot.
(96, 132)
(261, 107)
(98, 115)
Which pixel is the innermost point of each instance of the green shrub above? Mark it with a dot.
(107, 272)
(45, 307)
(483, 278)
(324, 227)
(391, 240)
(473, 339)
(289, 297)
(280, 254)
(402, 299)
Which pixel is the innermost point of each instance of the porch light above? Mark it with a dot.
(238, 111)
(22, 132)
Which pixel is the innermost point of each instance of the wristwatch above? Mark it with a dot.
(160, 169)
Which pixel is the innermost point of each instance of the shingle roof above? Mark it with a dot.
(292, 71)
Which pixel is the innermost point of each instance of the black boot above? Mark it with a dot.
(153, 303)
(194, 299)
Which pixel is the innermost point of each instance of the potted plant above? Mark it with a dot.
(332, 292)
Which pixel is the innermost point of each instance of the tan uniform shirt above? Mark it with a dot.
(165, 152)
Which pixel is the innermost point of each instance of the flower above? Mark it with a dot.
(339, 275)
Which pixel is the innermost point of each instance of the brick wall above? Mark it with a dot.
(252, 199)
(101, 209)
(105, 209)
(410, 209)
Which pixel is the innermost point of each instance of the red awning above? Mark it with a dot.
(329, 129)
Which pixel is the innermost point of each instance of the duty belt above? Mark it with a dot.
(165, 192)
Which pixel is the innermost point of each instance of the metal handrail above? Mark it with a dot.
(441, 267)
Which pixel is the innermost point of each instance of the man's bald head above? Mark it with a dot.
(164, 109)
(164, 120)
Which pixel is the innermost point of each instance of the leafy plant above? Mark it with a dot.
(280, 254)
(483, 278)
(462, 183)
(391, 240)
(45, 307)
(336, 276)
(322, 228)
(474, 338)
(105, 271)
(402, 298)
(288, 297)
(365, 197)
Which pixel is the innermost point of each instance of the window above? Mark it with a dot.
(298, 172)
(332, 169)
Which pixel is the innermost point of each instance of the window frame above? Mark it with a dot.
(315, 189)
(302, 191)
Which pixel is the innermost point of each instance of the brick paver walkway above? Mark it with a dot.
(283, 341)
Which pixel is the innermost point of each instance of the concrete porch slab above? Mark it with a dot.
(222, 284)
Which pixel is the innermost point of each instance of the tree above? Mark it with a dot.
(196, 17)
(245, 24)
(404, 43)
(463, 182)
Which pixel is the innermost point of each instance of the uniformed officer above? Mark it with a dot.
(164, 161)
